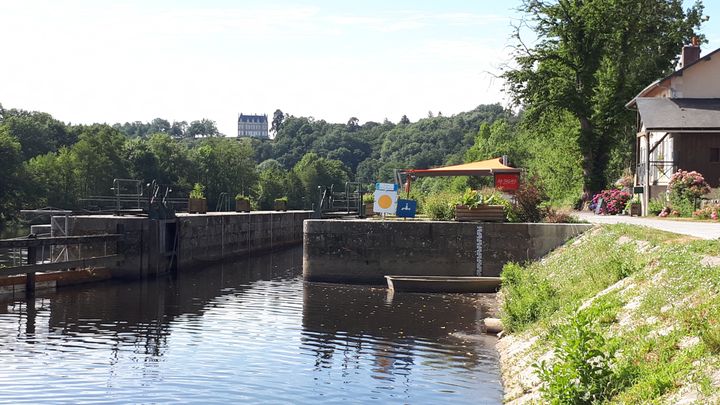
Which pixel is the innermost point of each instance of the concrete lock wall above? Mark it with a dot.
(207, 238)
(366, 251)
(153, 247)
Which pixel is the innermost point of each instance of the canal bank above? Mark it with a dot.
(646, 301)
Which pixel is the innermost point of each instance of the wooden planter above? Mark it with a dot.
(242, 205)
(635, 209)
(369, 209)
(485, 213)
(197, 205)
(280, 205)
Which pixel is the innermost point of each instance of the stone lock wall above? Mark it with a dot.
(365, 251)
(153, 247)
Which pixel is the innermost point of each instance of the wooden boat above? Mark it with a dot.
(444, 284)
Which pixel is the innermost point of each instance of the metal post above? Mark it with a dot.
(30, 277)
(646, 185)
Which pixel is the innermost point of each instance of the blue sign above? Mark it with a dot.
(386, 187)
(406, 208)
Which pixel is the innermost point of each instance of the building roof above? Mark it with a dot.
(482, 168)
(678, 72)
(679, 114)
(252, 118)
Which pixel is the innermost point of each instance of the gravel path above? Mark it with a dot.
(704, 230)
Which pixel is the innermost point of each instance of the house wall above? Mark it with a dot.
(698, 81)
(693, 153)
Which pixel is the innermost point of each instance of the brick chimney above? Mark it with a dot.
(690, 53)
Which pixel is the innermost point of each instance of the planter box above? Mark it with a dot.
(242, 206)
(635, 209)
(369, 209)
(280, 205)
(486, 213)
(197, 205)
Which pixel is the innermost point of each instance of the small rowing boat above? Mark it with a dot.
(444, 284)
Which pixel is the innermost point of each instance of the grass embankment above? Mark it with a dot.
(623, 314)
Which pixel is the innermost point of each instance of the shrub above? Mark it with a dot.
(527, 297)
(529, 199)
(240, 197)
(585, 370)
(439, 206)
(560, 217)
(707, 212)
(197, 191)
(655, 206)
(613, 201)
(368, 198)
(685, 188)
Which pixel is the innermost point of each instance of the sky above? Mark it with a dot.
(123, 61)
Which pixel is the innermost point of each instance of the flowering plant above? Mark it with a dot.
(688, 185)
(707, 212)
(614, 201)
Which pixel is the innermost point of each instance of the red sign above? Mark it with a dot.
(507, 181)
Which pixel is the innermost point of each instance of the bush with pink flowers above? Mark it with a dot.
(614, 201)
(685, 188)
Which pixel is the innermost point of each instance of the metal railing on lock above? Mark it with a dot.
(39, 255)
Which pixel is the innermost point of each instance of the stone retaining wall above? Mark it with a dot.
(361, 251)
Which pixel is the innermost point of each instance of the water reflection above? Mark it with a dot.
(250, 331)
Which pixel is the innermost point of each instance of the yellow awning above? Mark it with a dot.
(483, 168)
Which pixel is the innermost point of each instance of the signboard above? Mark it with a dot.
(406, 208)
(638, 189)
(386, 186)
(507, 181)
(385, 201)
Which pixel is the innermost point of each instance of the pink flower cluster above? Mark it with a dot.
(707, 212)
(613, 201)
(688, 184)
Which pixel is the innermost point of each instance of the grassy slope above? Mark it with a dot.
(655, 295)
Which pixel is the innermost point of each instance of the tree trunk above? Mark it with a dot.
(587, 146)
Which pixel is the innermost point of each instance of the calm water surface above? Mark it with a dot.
(244, 333)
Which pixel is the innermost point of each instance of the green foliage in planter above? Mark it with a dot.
(368, 198)
(439, 206)
(241, 197)
(197, 191)
(281, 200)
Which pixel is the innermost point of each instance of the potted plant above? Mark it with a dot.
(280, 204)
(369, 203)
(197, 202)
(473, 206)
(242, 203)
(633, 207)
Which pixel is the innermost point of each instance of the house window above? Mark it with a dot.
(715, 155)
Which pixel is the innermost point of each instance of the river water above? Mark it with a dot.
(248, 332)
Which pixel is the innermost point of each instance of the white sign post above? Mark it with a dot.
(385, 197)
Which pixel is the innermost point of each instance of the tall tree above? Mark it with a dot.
(591, 57)
(277, 121)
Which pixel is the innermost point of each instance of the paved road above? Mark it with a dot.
(704, 230)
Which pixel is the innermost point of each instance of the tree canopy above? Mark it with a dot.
(591, 57)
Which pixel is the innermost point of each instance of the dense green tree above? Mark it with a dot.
(202, 128)
(591, 57)
(12, 174)
(54, 180)
(224, 165)
(277, 121)
(98, 159)
(315, 172)
(37, 132)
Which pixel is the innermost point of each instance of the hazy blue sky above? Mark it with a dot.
(102, 61)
